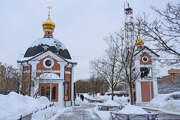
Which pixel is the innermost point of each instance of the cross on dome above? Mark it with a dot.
(49, 7)
(48, 25)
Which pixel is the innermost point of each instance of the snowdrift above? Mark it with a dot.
(170, 102)
(13, 105)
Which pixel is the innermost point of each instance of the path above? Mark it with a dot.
(79, 113)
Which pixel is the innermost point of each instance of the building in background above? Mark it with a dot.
(47, 68)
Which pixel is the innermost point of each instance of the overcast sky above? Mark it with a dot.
(81, 25)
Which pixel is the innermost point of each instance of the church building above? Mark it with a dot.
(145, 66)
(47, 68)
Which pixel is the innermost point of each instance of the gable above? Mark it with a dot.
(148, 50)
(48, 63)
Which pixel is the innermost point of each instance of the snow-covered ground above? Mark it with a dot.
(106, 115)
(167, 102)
(13, 105)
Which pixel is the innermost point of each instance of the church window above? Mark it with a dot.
(145, 59)
(42, 91)
(48, 63)
(65, 90)
(54, 93)
(145, 71)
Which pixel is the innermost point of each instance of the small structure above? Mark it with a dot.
(172, 72)
(47, 68)
(145, 66)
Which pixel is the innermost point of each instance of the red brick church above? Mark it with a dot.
(48, 69)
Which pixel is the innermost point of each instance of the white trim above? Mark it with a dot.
(72, 84)
(67, 72)
(26, 71)
(47, 71)
(138, 92)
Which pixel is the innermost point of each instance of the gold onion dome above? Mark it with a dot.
(48, 24)
(139, 41)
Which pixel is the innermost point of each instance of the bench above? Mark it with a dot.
(148, 116)
(109, 108)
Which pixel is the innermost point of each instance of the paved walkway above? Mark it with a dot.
(79, 113)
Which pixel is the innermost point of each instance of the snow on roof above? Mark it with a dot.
(48, 76)
(49, 42)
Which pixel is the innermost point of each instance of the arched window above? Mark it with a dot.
(66, 90)
(54, 93)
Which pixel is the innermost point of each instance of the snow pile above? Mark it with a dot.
(110, 103)
(106, 98)
(13, 105)
(48, 42)
(128, 109)
(132, 109)
(167, 102)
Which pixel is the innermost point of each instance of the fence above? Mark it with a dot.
(29, 116)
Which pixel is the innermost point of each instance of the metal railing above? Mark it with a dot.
(29, 115)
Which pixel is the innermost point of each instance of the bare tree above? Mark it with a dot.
(164, 30)
(109, 67)
(127, 55)
(9, 78)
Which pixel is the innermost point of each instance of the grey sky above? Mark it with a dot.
(81, 25)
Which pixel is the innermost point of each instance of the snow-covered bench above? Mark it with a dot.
(109, 108)
(120, 116)
(93, 101)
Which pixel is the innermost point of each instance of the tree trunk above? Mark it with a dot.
(131, 93)
(112, 93)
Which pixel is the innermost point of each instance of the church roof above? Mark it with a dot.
(145, 47)
(47, 44)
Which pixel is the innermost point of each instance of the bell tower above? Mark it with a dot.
(145, 63)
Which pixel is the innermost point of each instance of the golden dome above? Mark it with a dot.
(48, 24)
(139, 41)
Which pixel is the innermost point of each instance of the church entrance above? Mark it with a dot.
(49, 90)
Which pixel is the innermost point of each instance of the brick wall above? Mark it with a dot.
(149, 62)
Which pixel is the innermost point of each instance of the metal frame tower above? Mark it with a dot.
(129, 27)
